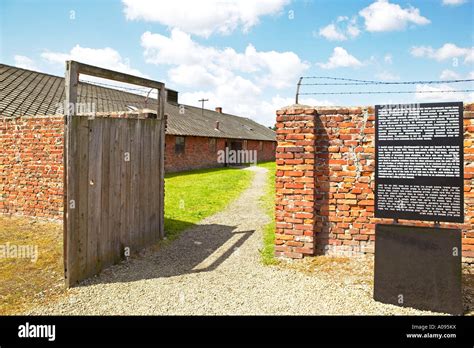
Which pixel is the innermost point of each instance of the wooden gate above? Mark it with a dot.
(114, 190)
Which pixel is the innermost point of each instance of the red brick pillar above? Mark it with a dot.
(295, 199)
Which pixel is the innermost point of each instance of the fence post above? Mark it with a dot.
(69, 149)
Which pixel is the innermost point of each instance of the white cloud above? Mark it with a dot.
(385, 16)
(340, 58)
(387, 76)
(471, 75)
(352, 28)
(336, 31)
(453, 2)
(447, 51)
(332, 33)
(203, 18)
(449, 75)
(107, 58)
(441, 93)
(388, 58)
(240, 82)
(24, 62)
(217, 66)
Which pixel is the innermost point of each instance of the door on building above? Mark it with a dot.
(236, 146)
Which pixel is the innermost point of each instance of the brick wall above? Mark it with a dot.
(31, 166)
(325, 182)
(267, 153)
(200, 154)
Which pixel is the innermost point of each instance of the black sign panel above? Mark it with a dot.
(419, 162)
(418, 267)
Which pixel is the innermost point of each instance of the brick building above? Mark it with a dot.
(32, 130)
(325, 182)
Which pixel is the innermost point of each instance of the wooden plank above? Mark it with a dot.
(128, 189)
(134, 189)
(161, 174)
(151, 177)
(71, 212)
(155, 177)
(82, 193)
(104, 252)
(115, 75)
(161, 171)
(114, 194)
(94, 228)
(146, 177)
(124, 184)
(141, 187)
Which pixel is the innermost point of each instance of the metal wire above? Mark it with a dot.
(143, 90)
(388, 92)
(372, 82)
(357, 82)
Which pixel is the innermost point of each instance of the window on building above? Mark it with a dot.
(212, 144)
(245, 144)
(260, 145)
(179, 145)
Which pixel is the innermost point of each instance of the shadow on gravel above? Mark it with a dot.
(201, 248)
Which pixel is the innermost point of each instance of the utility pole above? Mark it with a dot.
(202, 104)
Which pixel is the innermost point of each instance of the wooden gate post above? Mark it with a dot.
(69, 150)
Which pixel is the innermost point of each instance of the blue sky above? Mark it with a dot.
(246, 56)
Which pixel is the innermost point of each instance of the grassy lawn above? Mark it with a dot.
(268, 202)
(190, 197)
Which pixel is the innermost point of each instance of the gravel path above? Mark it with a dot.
(215, 268)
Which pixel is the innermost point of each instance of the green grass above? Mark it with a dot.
(268, 203)
(192, 196)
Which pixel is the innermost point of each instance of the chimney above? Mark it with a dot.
(219, 109)
(217, 125)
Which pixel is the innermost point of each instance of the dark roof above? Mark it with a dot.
(30, 93)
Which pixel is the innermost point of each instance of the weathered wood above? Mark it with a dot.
(104, 250)
(124, 185)
(115, 168)
(115, 75)
(135, 185)
(142, 190)
(82, 192)
(161, 174)
(154, 187)
(71, 81)
(71, 212)
(110, 203)
(94, 196)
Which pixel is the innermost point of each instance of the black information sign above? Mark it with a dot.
(419, 162)
(418, 267)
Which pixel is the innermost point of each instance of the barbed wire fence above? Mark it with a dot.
(326, 81)
(131, 99)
